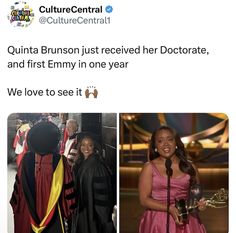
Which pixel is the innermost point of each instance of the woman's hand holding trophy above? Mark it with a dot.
(197, 202)
(202, 204)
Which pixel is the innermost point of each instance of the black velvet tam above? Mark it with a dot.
(43, 138)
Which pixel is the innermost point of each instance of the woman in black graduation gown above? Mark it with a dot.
(94, 189)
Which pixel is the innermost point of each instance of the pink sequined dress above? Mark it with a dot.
(154, 221)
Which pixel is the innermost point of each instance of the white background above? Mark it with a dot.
(155, 83)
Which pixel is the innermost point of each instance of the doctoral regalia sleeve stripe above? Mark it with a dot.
(100, 191)
(70, 196)
(73, 206)
(101, 197)
(102, 203)
(100, 185)
(100, 179)
(69, 185)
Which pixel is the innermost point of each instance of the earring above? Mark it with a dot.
(155, 150)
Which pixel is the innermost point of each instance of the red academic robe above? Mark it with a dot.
(38, 205)
(63, 142)
(20, 143)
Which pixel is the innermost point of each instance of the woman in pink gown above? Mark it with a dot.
(166, 143)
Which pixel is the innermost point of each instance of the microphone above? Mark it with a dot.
(169, 172)
(168, 164)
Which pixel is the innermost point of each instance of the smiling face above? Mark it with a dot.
(165, 143)
(87, 147)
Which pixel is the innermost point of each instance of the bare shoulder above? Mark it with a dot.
(145, 176)
(147, 168)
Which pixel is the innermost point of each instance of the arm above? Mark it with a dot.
(68, 202)
(103, 199)
(145, 190)
(201, 202)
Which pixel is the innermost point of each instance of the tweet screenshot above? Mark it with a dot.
(116, 116)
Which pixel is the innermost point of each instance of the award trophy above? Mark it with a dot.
(218, 200)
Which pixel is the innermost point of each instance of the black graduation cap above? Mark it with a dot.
(88, 134)
(43, 138)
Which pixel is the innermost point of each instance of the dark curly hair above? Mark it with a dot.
(184, 165)
(93, 137)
